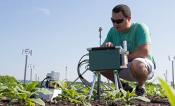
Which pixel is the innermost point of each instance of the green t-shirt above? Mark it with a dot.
(137, 35)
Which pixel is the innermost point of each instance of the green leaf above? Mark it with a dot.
(29, 102)
(142, 98)
(2, 87)
(169, 91)
(9, 92)
(44, 91)
(38, 101)
(23, 91)
(22, 96)
(31, 86)
(8, 81)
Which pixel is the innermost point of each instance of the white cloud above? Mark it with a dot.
(44, 11)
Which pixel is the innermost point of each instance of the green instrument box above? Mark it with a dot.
(104, 58)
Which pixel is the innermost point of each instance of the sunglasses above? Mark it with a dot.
(118, 21)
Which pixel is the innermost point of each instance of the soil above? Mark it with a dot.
(155, 101)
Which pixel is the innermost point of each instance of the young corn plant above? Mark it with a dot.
(71, 95)
(155, 90)
(170, 92)
(14, 92)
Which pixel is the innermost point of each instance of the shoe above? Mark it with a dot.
(126, 86)
(140, 91)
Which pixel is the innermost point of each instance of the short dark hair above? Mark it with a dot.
(123, 8)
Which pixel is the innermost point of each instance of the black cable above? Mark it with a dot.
(80, 63)
(48, 77)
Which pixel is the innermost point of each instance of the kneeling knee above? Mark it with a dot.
(138, 69)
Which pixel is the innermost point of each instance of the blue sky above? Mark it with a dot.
(60, 31)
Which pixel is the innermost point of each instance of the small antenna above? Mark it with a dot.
(100, 29)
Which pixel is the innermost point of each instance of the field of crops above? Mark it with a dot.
(16, 94)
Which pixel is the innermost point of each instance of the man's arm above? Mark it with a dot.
(143, 51)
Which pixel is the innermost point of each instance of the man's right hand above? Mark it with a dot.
(109, 44)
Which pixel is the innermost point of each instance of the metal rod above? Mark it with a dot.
(116, 79)
(92, 87)
(125, 45)
(31, 73)
(119, 82)
(77, 78)
(26, 52)
(125, 60)
(25, 69)
(173, 73)
(98, 85)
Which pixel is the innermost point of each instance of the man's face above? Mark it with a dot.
(120, 22)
